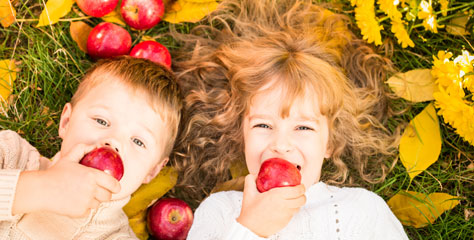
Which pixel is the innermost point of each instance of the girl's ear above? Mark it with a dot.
(154, 171)
(64, 122)
(328, 152)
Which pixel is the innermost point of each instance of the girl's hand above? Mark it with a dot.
(66, 187)
(267, 213)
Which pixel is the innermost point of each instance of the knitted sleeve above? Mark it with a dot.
(215, 219)
(16, 154)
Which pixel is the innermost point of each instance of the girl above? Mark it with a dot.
(285, 79)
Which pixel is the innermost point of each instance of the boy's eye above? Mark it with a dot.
(261, 125)
(138, 142)
(101, 122)
(304, 128)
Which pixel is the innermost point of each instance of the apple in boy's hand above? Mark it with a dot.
(142, 14)
(153, 51)
(97, 8)
(277, 172)
(170, 219)
(108, 40)
(105, 159)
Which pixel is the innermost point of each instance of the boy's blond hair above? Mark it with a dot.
(156, 81)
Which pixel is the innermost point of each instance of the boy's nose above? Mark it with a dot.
(113, 144)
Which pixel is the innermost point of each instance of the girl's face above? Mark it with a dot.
(300, 138)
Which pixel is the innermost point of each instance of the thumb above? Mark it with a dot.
(250, 186)
(77, 152)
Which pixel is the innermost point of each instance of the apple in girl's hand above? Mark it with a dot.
(97, 8)
(170, 219)
(105, 159)
(153, 51)
(142, 14)
(277, 172)
(108, 40)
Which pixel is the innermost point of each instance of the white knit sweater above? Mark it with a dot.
(16, 155)
(329, 213)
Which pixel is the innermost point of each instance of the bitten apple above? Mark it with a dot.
(170, 219)
(97, 8)
(142, 14)
(108, 40)
(153, 51)
(105, 159)
(277, 172)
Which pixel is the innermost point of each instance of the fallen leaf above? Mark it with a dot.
(236, 184)
(238, 168)
(79, 32)
(416, 85)
(418, 209)
(114, 17)
(187, 11)
(54, 10)
(138, 225)
(7, 13)
(420, 144)
(148, 193)
(457, 25)
(7, 77)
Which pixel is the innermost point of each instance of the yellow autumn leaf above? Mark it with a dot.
(148, 193)
(54, 10)
(7, 13)
(236, 184)
(418, 209)
(238, 168)
(7, 77)
(416, 85)
(138, 225)
(186, 11)
(114, 17)
(80, 32)
(420, 144)
(457, 25)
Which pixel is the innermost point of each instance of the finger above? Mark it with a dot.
(250, 186)
(289, 192)
(102, 195)
(77, 152)
(295, 203)
(106, 181)
(94, 204)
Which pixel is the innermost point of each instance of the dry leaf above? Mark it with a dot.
(236, 184)
(138, 225)
(416, 85)
(418, 209)
(7, 77)
(148, 193)
(79, 32)
(114, 17)
(186, 11)
(54, 10)
(420, 144)
(238, 168)
(457, 25)
(7, 13)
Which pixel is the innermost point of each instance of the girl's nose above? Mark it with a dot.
(282, 144)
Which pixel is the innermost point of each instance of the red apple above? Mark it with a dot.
(277, 172)
(97, 8)
(108, 40)
(105, 159)
(170, 219)
(153, 51)
(142, 14)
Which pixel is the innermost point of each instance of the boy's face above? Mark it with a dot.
(111, 114)
(300, 138)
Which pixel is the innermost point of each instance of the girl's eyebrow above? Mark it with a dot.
(260, 116)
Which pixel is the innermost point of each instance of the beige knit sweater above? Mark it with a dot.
(16, 155)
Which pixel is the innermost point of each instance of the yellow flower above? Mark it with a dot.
(444, 6)
(426, 13)
(389, 7)
(398, 28)
(366, 21)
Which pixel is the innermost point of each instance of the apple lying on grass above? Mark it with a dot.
(170, 219)
(277, 172)
(142, 14)
(108, 40)
(153, 51)
(105, 159)
(97, 8)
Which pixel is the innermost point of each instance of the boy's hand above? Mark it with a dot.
(267, 213)
(67, 187)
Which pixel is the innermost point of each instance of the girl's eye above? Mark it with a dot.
(138, 142)
(304, 128)
(102, 122)
(261, 125)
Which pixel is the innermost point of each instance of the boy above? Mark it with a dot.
(131, 105)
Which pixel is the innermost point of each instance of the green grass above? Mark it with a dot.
(51, 64)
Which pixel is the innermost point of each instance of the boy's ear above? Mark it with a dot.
(64, 122)
(154, 171)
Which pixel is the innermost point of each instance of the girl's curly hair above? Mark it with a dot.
(247, 43)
